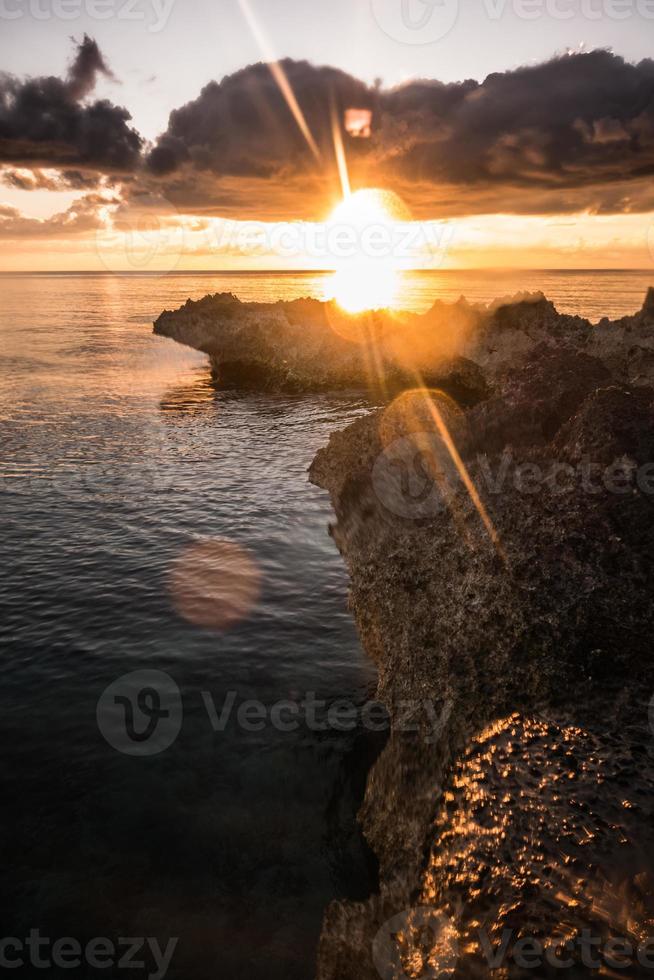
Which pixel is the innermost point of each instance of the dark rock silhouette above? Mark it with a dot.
(532, 811)
(499, 537)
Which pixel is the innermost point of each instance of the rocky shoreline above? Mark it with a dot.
(496, 519)
(307, 345)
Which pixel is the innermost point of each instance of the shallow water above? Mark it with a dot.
(118, 453)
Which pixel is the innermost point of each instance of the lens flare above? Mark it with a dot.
(279, 75)
(339, 151)
(364, 287)
(432, 411)
(363, 228)
(370, 206)
(214, 583)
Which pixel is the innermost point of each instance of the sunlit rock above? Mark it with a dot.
(309, 345)
(496, 521)
(530, 814)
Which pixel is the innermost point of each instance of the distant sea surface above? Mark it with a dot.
(590, 293)
(118, 454)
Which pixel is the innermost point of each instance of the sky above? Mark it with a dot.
(514, 132)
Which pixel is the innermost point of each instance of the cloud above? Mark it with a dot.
(559, 134)
(24, 179)
(574, 133)
(83, 216)
(237, 148)
(530, 127)
(242, 126)
(44, 123)
(83, 73)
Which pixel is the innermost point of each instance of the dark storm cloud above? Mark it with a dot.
(574, 133)
(43, 122)
(83, 73)
(242, 126)
(574, 119)
(560, 133)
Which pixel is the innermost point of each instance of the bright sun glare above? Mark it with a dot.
(365, 222)
(369, 207)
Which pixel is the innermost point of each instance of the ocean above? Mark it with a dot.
(119, 454)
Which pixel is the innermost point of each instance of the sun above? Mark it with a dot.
(363, 288)
(363, 229)
(368, 207)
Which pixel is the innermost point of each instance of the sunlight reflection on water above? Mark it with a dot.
(118, 453)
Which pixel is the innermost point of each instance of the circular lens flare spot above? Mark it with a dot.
(214, 583)
(420, 410)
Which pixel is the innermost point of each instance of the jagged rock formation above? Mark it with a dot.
(530, 630)
(499, 538)
(308, 345)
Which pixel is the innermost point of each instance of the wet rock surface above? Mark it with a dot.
(308, 345)
(520, 606)
(496, 517)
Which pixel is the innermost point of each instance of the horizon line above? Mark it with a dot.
(308, 272)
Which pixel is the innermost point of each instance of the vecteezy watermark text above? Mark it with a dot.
(563, 952)
(110, 478)
(141, 714)
(426, 938)
(320, 715)
(415, 476)
(335, 241)
(428, 21)
(153, 13)
(592, 10)
(100, 953)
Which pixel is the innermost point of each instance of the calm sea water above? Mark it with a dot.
(118, 453)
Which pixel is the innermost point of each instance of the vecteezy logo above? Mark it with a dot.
(415, 476)
(416, 21)
(419, 942)
(140, 713)
(145, 237)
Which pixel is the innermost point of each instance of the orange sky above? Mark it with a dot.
(165, 240)
(257, 171)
